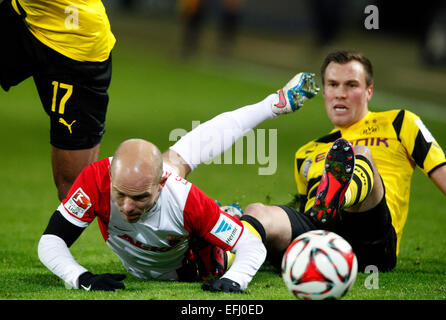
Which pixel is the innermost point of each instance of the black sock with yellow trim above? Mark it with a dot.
(361, 184)
(254, 226)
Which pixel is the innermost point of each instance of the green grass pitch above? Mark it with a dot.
(150, 96)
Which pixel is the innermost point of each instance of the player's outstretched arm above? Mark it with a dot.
(54, 253)
(213, 137)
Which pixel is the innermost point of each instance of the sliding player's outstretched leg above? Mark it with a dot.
(293, 95)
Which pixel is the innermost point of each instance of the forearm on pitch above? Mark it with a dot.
(55, 255)
(53, 249)
(250, 253)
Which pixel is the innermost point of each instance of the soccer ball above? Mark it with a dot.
(319, 265)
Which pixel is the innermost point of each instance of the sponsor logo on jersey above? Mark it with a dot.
(370, 128)
(227, 230)
(78, 203)
(223, 227)
(173, 242)
(368, 142)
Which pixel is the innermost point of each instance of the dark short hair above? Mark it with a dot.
(343, 57)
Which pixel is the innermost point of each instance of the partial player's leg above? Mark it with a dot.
(74, 95)
(272, 223)
(68, 164)
(338, 172)
(228, 127)
(372, 236)
(16, 55)
(350, 181)
(367, 222)
(351, 201)
(366, 189)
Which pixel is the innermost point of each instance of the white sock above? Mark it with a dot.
(217, 135)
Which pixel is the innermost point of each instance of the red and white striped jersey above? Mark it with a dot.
(155, 246)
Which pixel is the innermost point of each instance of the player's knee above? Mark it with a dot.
(273, 220)
(377, 187)
(259, 211)
(364, 151)
(255, 209)
(255, 218)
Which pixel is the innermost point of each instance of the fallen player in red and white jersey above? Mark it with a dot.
(148, 212)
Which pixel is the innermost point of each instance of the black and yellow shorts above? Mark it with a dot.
(73, 93)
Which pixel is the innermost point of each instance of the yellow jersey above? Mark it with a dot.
(78, 29)
(398, 140)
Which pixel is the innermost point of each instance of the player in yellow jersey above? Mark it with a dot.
(355, 180)
(65, 45)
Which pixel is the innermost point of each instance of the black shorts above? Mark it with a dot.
(73, 93)
(371, 235)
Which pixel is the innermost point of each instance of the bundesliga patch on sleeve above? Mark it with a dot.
(227, 230)
(78, 203)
